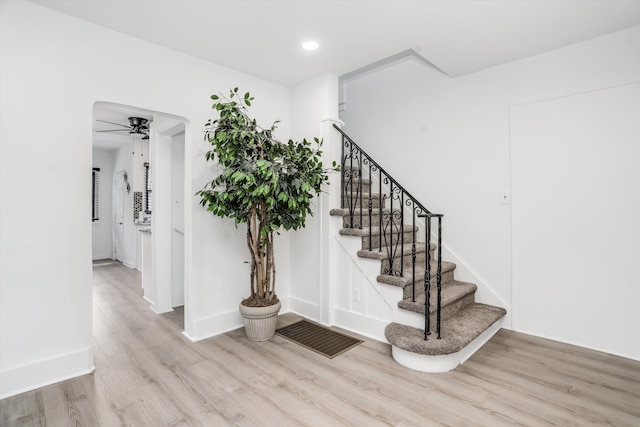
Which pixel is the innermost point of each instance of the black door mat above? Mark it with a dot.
(318, 338)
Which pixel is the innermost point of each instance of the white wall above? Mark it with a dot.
(101, 240)
(54, 68)
(177, 219)
(576, 218)
(311, 103)
(448, 141)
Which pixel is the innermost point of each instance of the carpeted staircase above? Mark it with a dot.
(465, 324)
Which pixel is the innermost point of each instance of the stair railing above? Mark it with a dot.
(366, 210)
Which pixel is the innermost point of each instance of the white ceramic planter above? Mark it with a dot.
(260, 322)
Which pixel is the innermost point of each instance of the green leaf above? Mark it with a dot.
(256, 171)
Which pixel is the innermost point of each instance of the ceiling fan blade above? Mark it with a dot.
(115, 130)
(118, 124)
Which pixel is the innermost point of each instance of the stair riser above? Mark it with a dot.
(406, 260)
(353, 196)
(377, 241)
(374, 220)
(447, 311)
(365, 187)
(356, 203)
(452, 309)
(446, 278)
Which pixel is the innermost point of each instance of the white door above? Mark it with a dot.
(119, 188)
(576, 234)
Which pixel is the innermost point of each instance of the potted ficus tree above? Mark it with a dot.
(263, 183)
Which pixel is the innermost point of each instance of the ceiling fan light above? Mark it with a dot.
(137, 121)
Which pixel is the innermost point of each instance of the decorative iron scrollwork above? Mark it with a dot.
(395, 207)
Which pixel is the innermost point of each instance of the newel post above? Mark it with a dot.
(329, 199)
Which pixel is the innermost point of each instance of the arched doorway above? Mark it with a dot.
(146, 171)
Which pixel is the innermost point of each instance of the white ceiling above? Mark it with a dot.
(263, 38)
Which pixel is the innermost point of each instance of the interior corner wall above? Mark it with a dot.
(311, 103)
(54, 68)
(447, 140)
(101, 236)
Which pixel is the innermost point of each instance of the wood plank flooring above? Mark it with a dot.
(148, 374)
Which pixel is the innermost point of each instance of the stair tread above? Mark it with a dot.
(346, 212)
(457, 332)
(382, 255)
(375, 231)
(365, 181)
(364, 195)
(451, 292)
(408, 275)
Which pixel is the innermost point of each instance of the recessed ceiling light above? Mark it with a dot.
(310, 45)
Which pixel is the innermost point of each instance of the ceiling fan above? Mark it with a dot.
(137, 125)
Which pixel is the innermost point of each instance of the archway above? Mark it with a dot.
(154, 203)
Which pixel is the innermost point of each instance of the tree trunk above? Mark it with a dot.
(263, 271)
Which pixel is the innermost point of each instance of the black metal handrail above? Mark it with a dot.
(359, 171)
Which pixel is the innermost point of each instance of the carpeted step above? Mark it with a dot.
(365, 221)
(373, 235)
(402, 256)
(406, 280)
(455, 297)
(352, 186)
(355, 200)
(457, 332)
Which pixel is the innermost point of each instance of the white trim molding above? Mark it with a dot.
(40, 373)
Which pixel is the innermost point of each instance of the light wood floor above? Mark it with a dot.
(148, 374)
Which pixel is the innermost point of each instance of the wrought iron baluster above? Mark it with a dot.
(342, 181)
(391, 217)
(439, 274)
(348, 186)
(370, 206)
(360, 185)
(352, 182)
(413, 255)
(401, 233)
(380, 204)
(427, 280)
(348, 191)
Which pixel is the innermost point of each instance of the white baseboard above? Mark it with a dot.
(211, 326)
(304, 308)
(129, 265)
(41, 373)
(369, 327)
